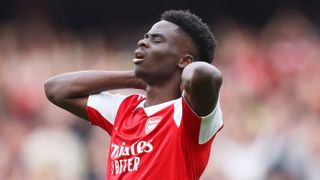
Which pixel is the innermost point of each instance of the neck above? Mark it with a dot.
(157, 94)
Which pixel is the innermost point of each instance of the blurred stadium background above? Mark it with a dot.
(269, 54)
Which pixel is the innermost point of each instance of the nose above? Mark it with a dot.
(143, 43)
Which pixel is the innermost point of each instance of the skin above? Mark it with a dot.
(164, 67)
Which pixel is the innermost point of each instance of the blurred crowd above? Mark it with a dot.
(270, 100)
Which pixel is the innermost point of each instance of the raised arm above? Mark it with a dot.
(201, 84)
(70, 91)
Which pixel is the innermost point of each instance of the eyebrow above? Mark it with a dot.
(153, 35)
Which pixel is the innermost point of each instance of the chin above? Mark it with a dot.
(140, 73)
(147, 77)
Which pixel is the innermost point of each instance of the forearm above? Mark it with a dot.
(83, 83)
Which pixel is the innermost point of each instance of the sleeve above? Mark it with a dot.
(205, 127)
(210, 124)
(102, 109)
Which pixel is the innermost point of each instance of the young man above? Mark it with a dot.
(168, 133)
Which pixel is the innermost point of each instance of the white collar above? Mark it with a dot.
(155, 108)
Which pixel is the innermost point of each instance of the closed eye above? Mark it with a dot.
(155, 37)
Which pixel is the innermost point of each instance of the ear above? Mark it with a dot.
(185, 60)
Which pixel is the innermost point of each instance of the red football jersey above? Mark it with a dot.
(165, 141)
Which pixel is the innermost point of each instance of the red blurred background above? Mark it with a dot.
(268, 52)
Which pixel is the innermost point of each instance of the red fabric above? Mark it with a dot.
(166, 152)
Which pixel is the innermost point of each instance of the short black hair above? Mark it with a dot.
(196, 29)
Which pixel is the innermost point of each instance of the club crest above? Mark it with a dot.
(152, 123)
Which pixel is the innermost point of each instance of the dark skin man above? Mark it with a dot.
(170, 129)
(163, 67)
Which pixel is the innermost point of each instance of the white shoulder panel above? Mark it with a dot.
(106, 104)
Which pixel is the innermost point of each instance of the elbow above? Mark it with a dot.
(202, 76)
(51, 90)
(217, 77)
(207, 75)
(48, 89)
(213, 75)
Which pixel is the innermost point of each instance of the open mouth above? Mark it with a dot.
(138, 56)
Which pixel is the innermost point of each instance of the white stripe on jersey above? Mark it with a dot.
(177, 115)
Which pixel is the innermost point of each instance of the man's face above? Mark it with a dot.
(156, 59)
